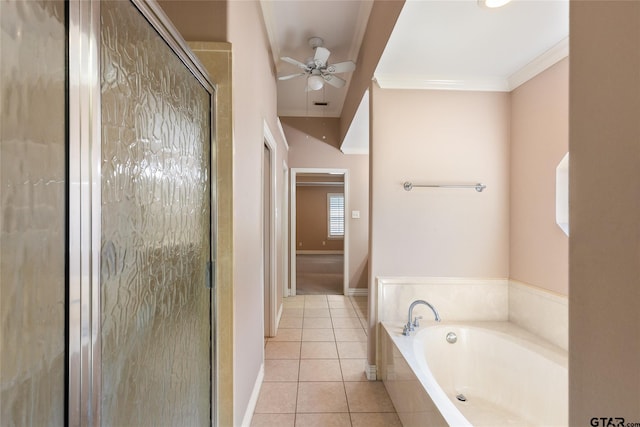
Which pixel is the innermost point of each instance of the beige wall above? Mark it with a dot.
(539, 250)
(312, 217)
(323, 129)
(439, 137)
(604, 246)
(308, 150)
(198, 20)
(254, 101)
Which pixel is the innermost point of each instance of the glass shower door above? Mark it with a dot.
(156, 236)
(105, 218)
(33, 212)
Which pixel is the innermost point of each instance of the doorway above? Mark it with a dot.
(319, 231)
(270, 292)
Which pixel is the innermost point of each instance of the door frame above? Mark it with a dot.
(270, 290)
(285, 229)
(293, 246)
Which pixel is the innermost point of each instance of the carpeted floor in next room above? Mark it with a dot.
(319, 274)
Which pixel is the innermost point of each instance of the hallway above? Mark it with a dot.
(314, 368)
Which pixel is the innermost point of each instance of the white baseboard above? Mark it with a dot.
(253, 401)
(303, 252)
(357, 292)
(371, 371)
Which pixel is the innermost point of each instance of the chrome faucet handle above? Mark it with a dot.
(407, 329)
(415, 321)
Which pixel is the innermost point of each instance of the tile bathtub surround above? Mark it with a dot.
(456, 299)
(314, 368)
(539, 311)
(542, 312)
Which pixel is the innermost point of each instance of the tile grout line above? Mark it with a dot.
(358, 316)
(344, 388)
(295, 410)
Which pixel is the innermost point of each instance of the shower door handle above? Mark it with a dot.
(209, 276)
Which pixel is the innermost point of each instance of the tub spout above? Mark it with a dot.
(412, 324)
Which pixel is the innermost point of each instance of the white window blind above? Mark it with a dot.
(335, 206)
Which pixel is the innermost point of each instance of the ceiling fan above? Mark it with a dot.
(317, 69)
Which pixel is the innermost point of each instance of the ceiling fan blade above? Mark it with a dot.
(294, 62)
(321, 56)
(341, 67)
(334, 81)
(290, 76)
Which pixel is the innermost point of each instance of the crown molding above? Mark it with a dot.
(526, 73)
(539, 64)
(284, 137)
(415, 82)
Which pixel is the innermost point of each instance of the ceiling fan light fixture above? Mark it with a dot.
(492, 4)
(317, 68)
(315, 82)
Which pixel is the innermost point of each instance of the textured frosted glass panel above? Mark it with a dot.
(155, 229)
(32, 235)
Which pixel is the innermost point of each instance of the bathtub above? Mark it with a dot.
(495, 374)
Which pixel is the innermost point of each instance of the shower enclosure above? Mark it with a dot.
(108, 218)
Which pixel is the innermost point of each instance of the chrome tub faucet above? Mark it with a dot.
(413, 324)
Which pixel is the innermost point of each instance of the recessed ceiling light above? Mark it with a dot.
(493, 3)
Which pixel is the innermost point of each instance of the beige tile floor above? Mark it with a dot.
(314, 368)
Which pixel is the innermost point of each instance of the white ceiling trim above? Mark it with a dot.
(526, 73)
(425, 82)
(284, 137)
(539, 64)
(354, 150)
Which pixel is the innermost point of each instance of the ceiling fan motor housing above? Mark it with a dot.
(315, 42)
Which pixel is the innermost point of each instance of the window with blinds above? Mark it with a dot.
(335, 215)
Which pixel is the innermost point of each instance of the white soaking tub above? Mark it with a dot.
(494, 374)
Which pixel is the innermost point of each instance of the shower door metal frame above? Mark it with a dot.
(85, 201)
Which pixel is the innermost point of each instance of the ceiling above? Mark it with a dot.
(290, 24)
(462, 45)
(446, 44)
